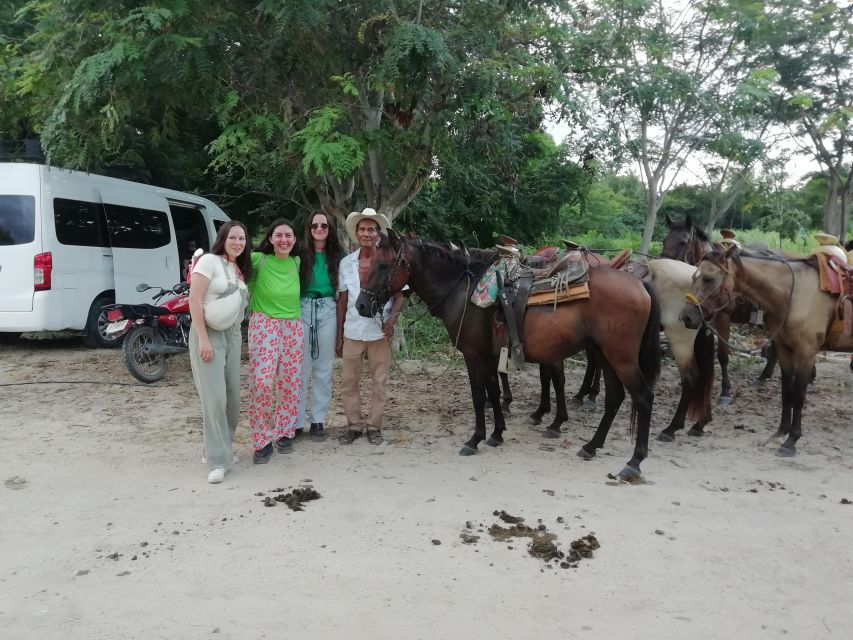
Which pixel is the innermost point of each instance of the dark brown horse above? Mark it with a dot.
(621, 319)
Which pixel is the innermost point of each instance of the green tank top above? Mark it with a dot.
(320, 285)
(275, 286)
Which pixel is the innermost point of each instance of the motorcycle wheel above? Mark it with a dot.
(145, 367)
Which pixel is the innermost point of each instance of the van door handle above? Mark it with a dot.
(168, 261)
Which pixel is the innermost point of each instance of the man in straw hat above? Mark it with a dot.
(358, 335)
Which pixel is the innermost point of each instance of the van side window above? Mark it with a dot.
(17, 220)
(80, 223)
(137, 228)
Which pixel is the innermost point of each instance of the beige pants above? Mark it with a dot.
(379, 359)
(218, 384)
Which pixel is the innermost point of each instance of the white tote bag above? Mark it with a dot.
(225, 310)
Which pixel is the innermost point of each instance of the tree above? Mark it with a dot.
(662, 75)
(810, 44)
(521, 194)
(304, 101)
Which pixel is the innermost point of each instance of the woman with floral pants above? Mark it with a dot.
(275, 343)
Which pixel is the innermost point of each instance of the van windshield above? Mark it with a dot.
(17, 219)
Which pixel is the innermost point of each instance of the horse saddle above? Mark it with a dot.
(836, 278)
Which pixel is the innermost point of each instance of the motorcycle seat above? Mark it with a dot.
(148, 310)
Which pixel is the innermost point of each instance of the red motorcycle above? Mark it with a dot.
(152, 331)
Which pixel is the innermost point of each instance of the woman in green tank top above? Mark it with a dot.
(318, 275)
(275, 342)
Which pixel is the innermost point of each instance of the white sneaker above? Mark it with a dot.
(216, 476)
(234, 460)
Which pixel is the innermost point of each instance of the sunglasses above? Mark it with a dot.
(319, 225)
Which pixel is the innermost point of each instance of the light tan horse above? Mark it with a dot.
(800, 318)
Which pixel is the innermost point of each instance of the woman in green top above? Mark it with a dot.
(275, 342)
(318, 276)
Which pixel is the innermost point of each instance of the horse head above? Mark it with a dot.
(713, 286)
(684, 241)
(388, 275)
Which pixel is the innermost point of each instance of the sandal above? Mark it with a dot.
(374, 436)
(349, 436)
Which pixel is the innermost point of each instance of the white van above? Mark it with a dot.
(71, 242)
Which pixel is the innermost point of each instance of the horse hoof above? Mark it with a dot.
(784, 452)
(629, 472)
(589, 403)
(724, 400)
(696, 433)
(759, 382)
(551, 433)
(494, 442)
(467, 451)
(534, 420)
(576, 402)
(663, 436)
(586, 455)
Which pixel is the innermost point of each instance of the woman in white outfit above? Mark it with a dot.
(318, 276)
(215, 353)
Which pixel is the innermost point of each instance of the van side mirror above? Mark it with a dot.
(142, 287)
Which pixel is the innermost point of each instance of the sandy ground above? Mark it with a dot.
(108, 528)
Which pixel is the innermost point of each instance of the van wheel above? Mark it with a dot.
(96, 327)
(8, 337)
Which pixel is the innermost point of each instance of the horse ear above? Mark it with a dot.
(688, 221)
(731, 251)
(453, 247)
(393, 238)
(669, 221)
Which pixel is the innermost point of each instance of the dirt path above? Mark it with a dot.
(109, 530)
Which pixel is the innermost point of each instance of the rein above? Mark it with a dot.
(698, 303)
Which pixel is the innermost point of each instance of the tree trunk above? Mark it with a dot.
(831, 213)
(652, 206)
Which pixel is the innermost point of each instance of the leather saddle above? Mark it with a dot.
(836, 279)
(560, 280)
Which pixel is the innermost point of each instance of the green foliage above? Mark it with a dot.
(474, 201)
(793, 225)
(325, 149)
(426, 337)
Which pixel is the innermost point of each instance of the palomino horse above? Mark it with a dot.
(621, 318)
(692, 350)
(799, 316)
(688, 243)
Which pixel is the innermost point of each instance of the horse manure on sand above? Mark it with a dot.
(543, 543)
(294, 499)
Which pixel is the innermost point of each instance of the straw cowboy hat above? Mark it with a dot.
(368, 214)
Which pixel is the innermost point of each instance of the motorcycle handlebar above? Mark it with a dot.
(177, 290)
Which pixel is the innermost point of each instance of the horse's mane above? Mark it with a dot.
(476, 258)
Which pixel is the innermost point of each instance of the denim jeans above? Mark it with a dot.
(319, 323)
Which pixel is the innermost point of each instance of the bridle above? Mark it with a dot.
(690, 247)
(400, 263)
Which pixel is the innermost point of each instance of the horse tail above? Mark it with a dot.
(700, 397)
(649, 349)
